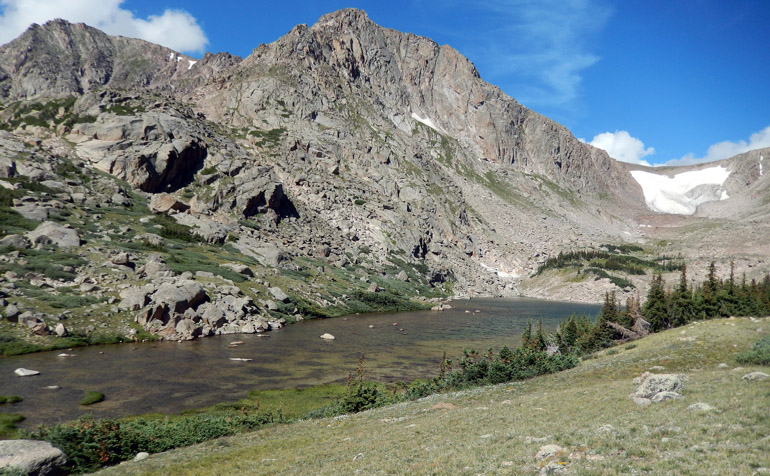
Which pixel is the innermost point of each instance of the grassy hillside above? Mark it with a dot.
(499, 429)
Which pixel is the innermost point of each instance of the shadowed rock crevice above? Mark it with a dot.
(171, 169)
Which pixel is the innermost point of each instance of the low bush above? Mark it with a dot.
(169, 228)
(10, 399)
(507, 365)
(758, 355)
(91, 443)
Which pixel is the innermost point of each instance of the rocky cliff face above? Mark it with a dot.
(345, 167)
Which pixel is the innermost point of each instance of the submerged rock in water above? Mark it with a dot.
(22, 372)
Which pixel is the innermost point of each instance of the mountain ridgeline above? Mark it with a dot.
(345, 167)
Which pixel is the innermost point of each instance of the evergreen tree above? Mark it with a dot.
(655, 309)
(601, 334)
(681, 309)
(709, 298)
(540, 343)
(527, 341)
(568, 335)
(727, 296)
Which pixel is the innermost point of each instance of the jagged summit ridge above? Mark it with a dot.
(60, 57)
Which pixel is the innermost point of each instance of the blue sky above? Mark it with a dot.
(647, 80)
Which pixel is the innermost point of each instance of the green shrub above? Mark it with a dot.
(89, 443)
(10, 399)
(361, 395)
(758, 355)
(175, 231)
(518, 364)
(124, 109)
(269, 138)
(381, 301)
(192, 262)
(92, 443)
(92, 397)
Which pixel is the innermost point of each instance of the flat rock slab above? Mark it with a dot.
(755, 376)
(31, 457)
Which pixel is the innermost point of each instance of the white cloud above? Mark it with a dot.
(541, 52)
(727, 149)
(621, 146)
(176, 29)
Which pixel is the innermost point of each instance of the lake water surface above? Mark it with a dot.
(168, 377)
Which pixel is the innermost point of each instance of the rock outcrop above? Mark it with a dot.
(31, 457)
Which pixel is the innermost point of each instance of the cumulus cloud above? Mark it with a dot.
(540, 53)
(621, 146)
(727, 149)
(176, 29)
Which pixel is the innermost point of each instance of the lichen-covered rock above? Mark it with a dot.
(755, 376)
(657, 383)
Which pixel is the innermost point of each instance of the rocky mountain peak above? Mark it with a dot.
(351, 18)
(60, 57)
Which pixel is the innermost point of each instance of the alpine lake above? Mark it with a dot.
(170, 377)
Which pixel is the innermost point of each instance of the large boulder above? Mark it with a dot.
(180, 296)
(165, 202)
(12, 313)
(50, 232)
(278, 294)
(658, 388)
(30, 457)
(14, 241)
(135, 297)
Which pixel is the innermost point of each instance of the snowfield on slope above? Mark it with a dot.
(684, 192)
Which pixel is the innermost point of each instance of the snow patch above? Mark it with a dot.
(761, 158)
(191, 63)
(684, 192)
(501, 274)
(171, 56)
(426, 121)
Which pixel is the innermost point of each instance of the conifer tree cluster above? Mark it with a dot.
(663, 309)
(713, 298)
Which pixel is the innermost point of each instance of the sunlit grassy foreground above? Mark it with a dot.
(499, 429)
